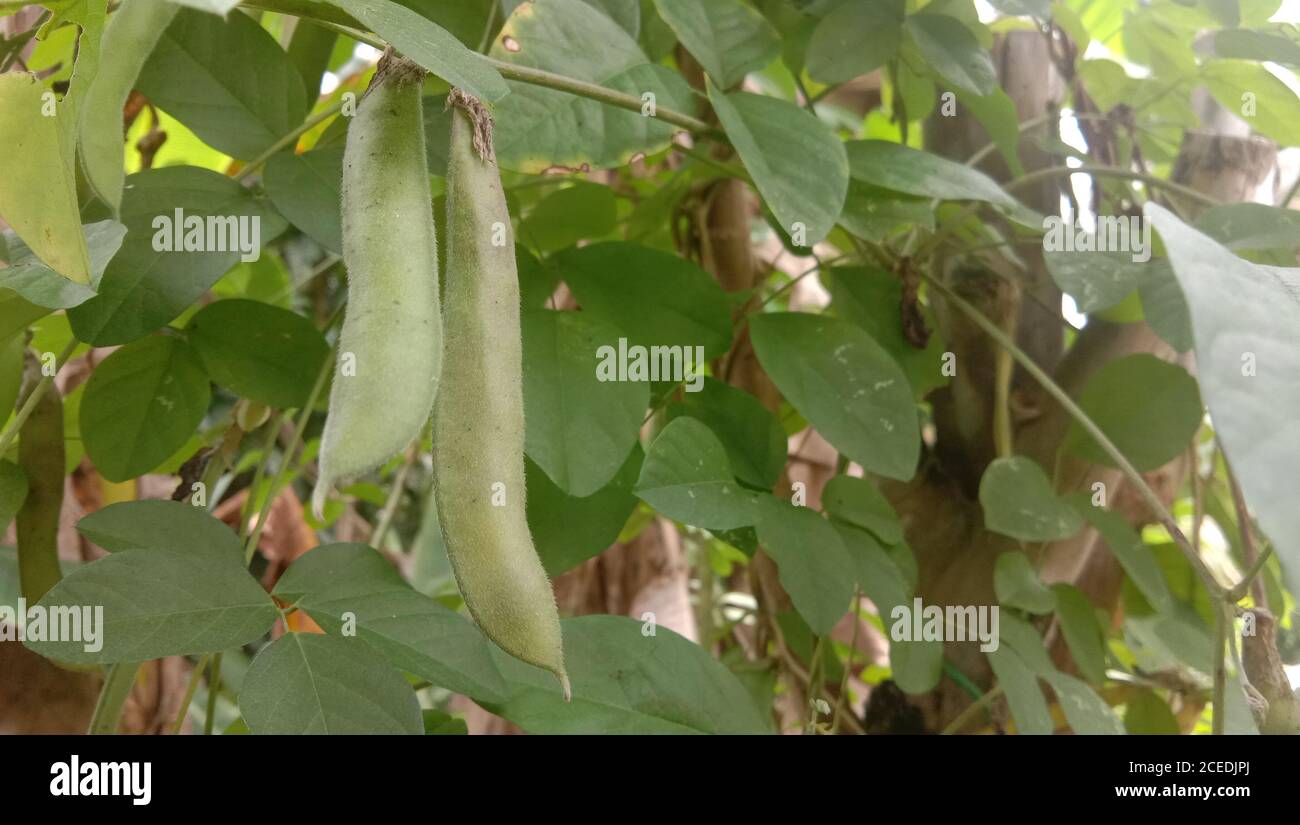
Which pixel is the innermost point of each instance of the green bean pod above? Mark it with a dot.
(390, 348)
(478, 422)
(40, 455)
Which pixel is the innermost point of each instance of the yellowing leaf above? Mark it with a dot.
(38, 196)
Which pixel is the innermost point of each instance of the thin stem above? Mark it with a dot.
(963, 718)
(33, 399)
(118, 681)
(394, 497)
(289, 139)
(214, 687)
(815, 684)
(268, 448)
(1220, 670)
(848, 660)
(1249, 554)
(487, 29)
(594, 91)
(299, 428)
(1110, 172)
(195, 676)
(1251, 579)
(1063, 398)
(1285, 203)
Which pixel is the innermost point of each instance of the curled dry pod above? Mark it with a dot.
(478, 421)
(390, 349)
(40, 455)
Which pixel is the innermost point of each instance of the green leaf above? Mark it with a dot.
(755, 442)
(1086, 638)
(871, 298)
(1148, 714)
(814, 567)
(195, 599)
(1246, 315)
(219, 7)
(38, 193)
(1041, 9)
(1251, 226)
(410, 630)
(1097, 280)
(568, 530)
(259, 351)
(308, 683)
(129, 36)
(539, 128)
(1165, 308)
(854, 39)
(891, 166)
(430, 45)
(582, 211)
(729, 38)
(12, 351)
(144, 288)
(13, 492)
(917, 665)
(797, 163)
(465, 19)
(1017, 585)
(627, 681)
(686, 477)
(579, 428)
(1150, 409)
(160, 526)
(1248, 44)
(874, 214)
(858, 501)
(1024, 696)
(653, 297)
(440, 723)
(227, 80)
(1087, 714)
(31, 278)
(997, 114)
(1018, 501)
(953, 51)
(1252, 92)
(876, 573)
(141, 404)
(1133, 554)
(846, 385)
(306, 190)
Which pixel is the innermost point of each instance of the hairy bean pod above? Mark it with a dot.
(390, 348)
(478, 423)
(40, 455)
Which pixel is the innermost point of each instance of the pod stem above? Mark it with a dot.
(393, 68)
(481, 120)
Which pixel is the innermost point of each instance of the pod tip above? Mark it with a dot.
(318, 497)
(564, 686)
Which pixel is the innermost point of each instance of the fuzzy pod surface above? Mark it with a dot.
(390, 348)
(478, 422)
(41, 457)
